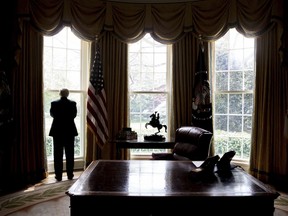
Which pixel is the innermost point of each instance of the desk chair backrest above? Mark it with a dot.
(192, 143)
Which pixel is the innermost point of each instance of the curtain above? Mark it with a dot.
(115, 65)
(167, 22)
(185, 53)
(269, 161)
(28, 158)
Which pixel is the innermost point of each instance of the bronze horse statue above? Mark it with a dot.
(154, 122)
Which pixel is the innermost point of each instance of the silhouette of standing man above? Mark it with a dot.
(63, 131)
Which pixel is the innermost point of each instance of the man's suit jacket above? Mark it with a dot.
(63, 112)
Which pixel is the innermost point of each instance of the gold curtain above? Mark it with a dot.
(269, 161)
(185, 53)
(115, 66)
(28, 159)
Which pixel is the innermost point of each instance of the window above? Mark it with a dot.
(149, 67)
(65, 61)
(233, 86)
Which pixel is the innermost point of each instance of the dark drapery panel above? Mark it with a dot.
(28, 159)
(115, 65)
(269, 152)
(185, 54)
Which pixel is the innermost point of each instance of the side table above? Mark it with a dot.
(140, 143)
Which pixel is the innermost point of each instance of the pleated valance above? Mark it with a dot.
(167, 22)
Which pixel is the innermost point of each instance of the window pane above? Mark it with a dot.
(73, 59)
(222, 60)
(249, 59)
(73, 80)
(236, 59)
(249, 80)
(59, 59)
(221, 122)
(221, 105)
(247, 124)
(235, 123)
(134, 80)
(221, 145)
(147, 59)
(248, 103)
(235, 103)
(134, 62)
(159, 82)
(246, 147)
(222, 81)
(160, 62)
(235, 143)
(236, 80)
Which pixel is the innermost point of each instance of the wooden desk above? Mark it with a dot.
(142, 144)
(149, 187)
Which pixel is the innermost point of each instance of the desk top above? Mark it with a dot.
(161, 178)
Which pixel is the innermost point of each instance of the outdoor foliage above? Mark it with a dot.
(49, 147)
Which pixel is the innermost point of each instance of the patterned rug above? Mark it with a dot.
(48, 199)
(282, 202)
(37, 194)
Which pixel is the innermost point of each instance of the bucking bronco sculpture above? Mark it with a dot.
(154, 122)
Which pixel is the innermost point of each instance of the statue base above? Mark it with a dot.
(154, 137)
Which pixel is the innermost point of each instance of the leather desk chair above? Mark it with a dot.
(191, 143)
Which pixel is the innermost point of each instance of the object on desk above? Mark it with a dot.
(155, 122)
(154, 137)
(224, 164)
(206, 169)
(126, 134)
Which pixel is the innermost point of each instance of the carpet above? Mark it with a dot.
(51, 200)
(282, 202)
(45, 194)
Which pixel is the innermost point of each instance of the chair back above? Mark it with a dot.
(192, 143)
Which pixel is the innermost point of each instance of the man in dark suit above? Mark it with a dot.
(63, 131)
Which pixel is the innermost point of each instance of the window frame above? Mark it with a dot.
(237, 158)
(82, 91)
(144, 153)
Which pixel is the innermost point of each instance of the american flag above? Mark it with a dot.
(96, 104)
